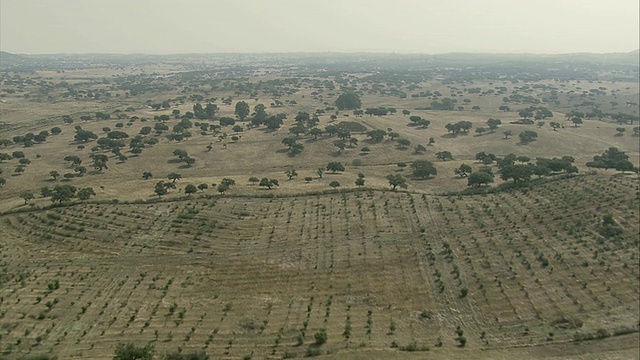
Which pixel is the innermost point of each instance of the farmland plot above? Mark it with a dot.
(240, 277)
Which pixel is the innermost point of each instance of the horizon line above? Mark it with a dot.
(323, 52)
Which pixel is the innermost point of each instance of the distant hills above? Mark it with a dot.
(21, 62)
(9, 56)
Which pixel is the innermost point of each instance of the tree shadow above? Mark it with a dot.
(483, 134)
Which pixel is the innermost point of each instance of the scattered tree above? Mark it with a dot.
(27, 195)
(527, 136)
(464, 170)
(334, 167)
(423, 169)
(268, 183)
(291, 174)
(493, 124)
(444, 155)
(174, 176)
(242, 110)
(86, 193)
(479, 178)
(576, 121)
(396, 180)
(404, 143)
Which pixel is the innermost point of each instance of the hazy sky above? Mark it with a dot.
(402, 26)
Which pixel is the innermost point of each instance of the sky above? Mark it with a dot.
(255, 26)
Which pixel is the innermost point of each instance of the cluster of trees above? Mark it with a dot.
(444, 104)
(184, 157)
(293, 146)
(29, 139)
(543, 167)
(620, 118)
(261, 117)
(492, 123)
(376, 135)
(23, 162)
(207, 112)
(380, 111)
(516, 168)
(225, 185)
(348, 101)
(192, 189)
(418, 121)
(84, 136)
(536, 112)
(99, 162)
(64, 193)
(463, 126)
(612, 158)
(180, 130)
(269, 183)
(162, 187)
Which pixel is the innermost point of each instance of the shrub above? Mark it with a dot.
(321, 337)
(131, 352)
(199, 355)
(313, 351)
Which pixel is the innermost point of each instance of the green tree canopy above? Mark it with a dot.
(242, 110)
(479, 178)
(423, 169)
(335, 166)
(348, 101)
